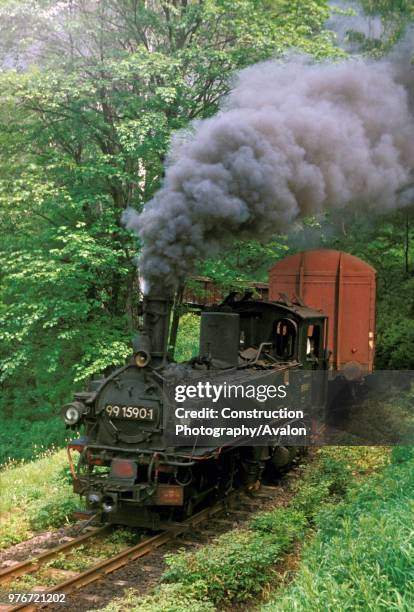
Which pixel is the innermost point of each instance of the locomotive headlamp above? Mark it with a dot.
(72, 413)
(71, 416)
(142, 350)
(142, 359)
(109, 503)
(94, 498)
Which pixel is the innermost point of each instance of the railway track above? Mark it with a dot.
(33, 564)
(101, 569)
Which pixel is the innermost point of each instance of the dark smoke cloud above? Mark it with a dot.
(294, 138)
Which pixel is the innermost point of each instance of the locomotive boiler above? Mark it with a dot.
(129, 471)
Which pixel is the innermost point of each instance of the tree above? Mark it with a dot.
(394, 15)
(91, 94)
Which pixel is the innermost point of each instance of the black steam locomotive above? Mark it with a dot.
(127, 470)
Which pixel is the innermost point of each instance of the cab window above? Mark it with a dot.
(284, 339)
(313, 342)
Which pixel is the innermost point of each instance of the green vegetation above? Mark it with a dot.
(77, 560)
(26, 438)
(394, 15)
(169, 598)
(187, 338)
(236, 566)
(34, 497)
(362, 557)
(240, 564)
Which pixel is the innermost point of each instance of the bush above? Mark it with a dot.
(321, 484)
(26, 440)
(234, 568)
(240, 563)
(400, 454)
(54, 511)
(286, 525)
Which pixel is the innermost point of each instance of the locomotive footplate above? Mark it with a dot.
(98, 493)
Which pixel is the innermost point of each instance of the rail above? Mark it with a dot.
(107, 566)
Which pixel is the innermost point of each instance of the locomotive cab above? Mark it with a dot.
(292, 333)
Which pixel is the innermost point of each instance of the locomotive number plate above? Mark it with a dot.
(130, 412)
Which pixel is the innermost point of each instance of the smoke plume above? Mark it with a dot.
(293, 138)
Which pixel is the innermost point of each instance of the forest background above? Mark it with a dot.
(90, 93)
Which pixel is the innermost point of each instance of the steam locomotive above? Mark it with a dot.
(128, 471)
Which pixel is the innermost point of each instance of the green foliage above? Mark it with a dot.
(387, 243)
(47, 332)
(86, 555)
(235, 568)
(24, 439)
(244, 262)
(321, 486)
(187, 345)
(396, 16)
(363, 552)
(53, 511)
(289, 525)
(124, 536)
(166, 598)
(400, 454)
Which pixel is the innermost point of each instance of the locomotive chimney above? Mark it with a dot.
(156, 310)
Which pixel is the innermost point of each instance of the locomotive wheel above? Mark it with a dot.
(188, 508)
(274, 470)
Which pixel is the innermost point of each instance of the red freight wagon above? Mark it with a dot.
(343, 287)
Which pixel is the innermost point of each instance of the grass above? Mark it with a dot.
(362, 557)
(35, 496)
